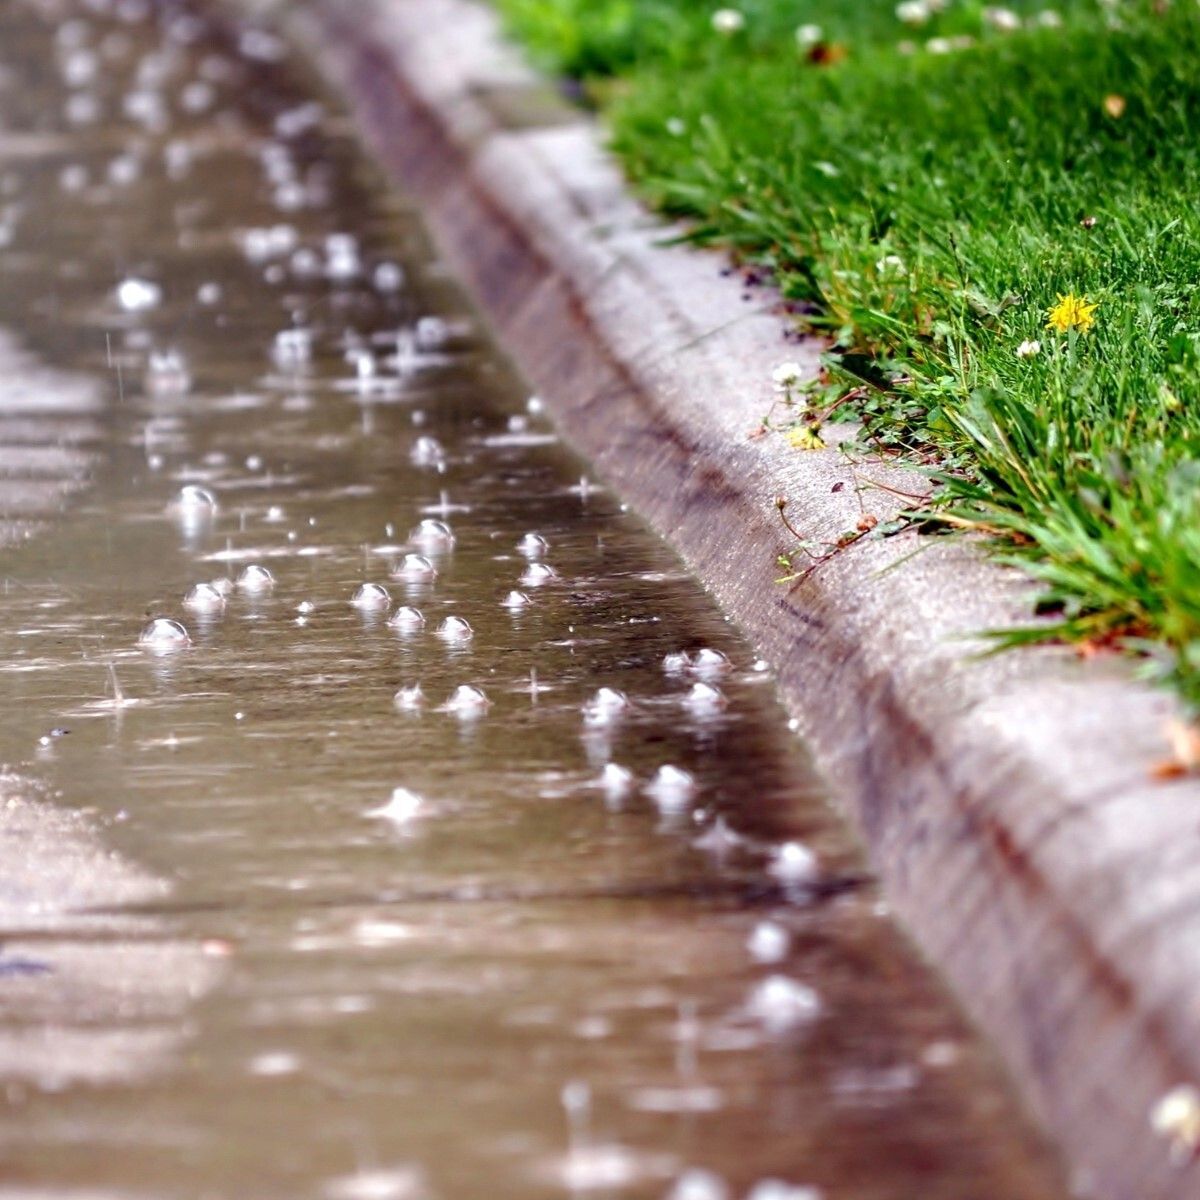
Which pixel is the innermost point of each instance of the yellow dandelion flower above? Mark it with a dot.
(1071, 312)
(808, 438)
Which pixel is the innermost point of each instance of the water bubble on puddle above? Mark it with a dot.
(533, 545)
(605, 707)
(197, 97)
(616, 781)
(343, 263)
(408, 618)
(292, 349)
(371, 597)
(409, 699)
(393, 1183)
(73, 178)
(704, 699)
(432, 534)
(274, 1063)
(467, 701)
(795, 865)
(400, 809)
(375, 933)
(719, 839)
(769, 942)
(515, 601)
(163, 634)
(305, 264)
(676, 663)
(388, 277)
(428, 452)
(776, 1189)
(455, 629)
(124, 170)
(537, 574)
(194, 499)
(205, 598)
(697, 1184)
(209, 294)
(432, 333)
(167, 374)
(416, 568)
(780, 1004)
(708, 663)
(672, 788)
(274, 515)
(255, 580)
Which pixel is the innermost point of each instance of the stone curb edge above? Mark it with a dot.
(1006, 802)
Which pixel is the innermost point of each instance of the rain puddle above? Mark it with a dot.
(494, 869)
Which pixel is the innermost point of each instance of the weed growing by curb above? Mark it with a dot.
(991, 211)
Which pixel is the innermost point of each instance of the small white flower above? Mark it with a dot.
(1002, 19)
(808, 35)
(1029, 348)
(728, 21)
(939, 45)
(913, 12)
(1176, 1117)
(890, 265)
(676, 126)
(787, 375)
(1049, 19)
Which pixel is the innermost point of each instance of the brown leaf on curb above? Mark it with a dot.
(1185, 751)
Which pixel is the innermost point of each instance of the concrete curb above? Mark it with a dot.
(1006, 802)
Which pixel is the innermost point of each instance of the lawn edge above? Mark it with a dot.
(1006, 802)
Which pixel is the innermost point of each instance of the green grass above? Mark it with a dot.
(930, 207)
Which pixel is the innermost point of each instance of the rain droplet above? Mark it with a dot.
(537, 574)
(415, 568)
(776, 1189)
(167, 374)
(671, 788)
(371, 597)
(467, 701)
(407, 617)
(617, 781)
(455, 629)
(769, 942)
(409, 699)
(432, 534)
(795, 865)
(514, 601)
(781, 1004)
(195, 499)
(708, 663)
(136, 295)
(428, 452)
(533, 545)
(204, 598)
(676, 663)
(698, 1185)
(164, 634)
(704, 699)
(401, 808)
(255, 580)
(605, 707)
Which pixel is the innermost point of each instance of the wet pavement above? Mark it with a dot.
(420, 908)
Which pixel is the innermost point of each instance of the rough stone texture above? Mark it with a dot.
(1007, 802)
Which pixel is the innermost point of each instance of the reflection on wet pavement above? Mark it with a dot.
(495, 870)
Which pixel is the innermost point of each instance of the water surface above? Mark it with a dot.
(535, 986)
